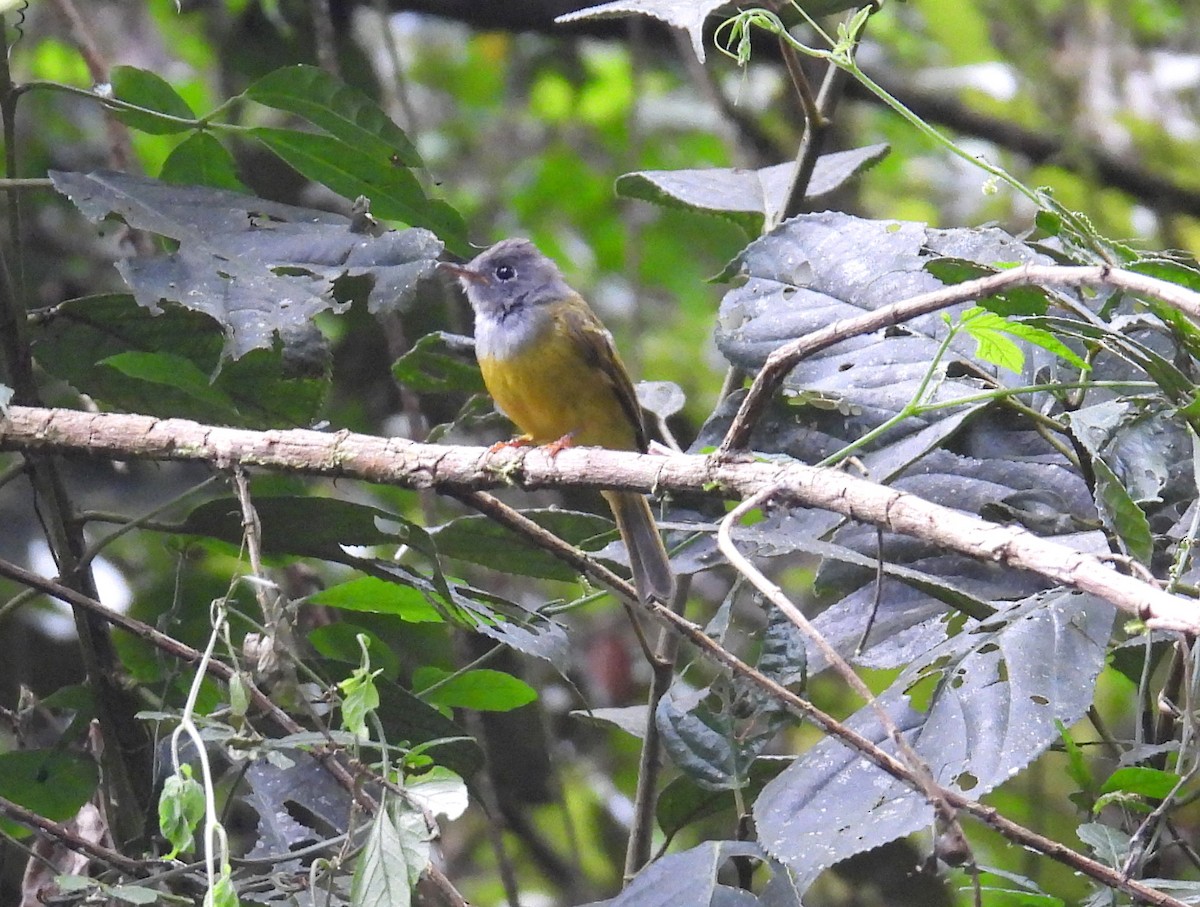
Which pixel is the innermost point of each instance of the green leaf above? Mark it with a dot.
(990, 329)
(152, 91)
(435, 366)
(703, 743)
(134, 894)
(180, 810)
(239, 696)
(378, 596)
(683, 801)
(270, 389)
(1047, 341)
(1121, 514)
(315, 527)
(1174, 383)
(224, 894)
(51, 783)
(1010, 897)
(783, 657)
(407, 717)
(201, 160)
(169, 370)
(339, 109)
(1077, 766)
(1167, 269)
(159, 365)
(1146, 782)
(1110, 845)
(339, 641)
(254, 391)
(1027, 300)
(392, 859)
(991, 343)
(482, 690)
(630, 719)
(440, 791)
(359, 699)
(1049, 222)
(1186, 330)
(393, 191)
(74, 883)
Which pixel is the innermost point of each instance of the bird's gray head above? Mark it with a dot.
(510, 277)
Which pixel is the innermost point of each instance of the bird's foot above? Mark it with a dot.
(554, 448)
(518, 441)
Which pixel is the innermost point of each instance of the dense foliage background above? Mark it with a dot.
(214, 153)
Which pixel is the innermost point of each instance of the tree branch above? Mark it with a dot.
(72, 841)
(396, 461)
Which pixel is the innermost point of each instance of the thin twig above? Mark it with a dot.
(121, 156)
(26, 183)
(666, 651)
(819, 122)
(72, 841)
(920, 771)
(323, 36)
(275, 659)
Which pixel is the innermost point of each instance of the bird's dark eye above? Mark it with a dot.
(505, 272)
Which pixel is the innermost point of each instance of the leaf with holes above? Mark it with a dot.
(976, 709)
(260, 269)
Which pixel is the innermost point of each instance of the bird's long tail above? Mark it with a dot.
(647, 556)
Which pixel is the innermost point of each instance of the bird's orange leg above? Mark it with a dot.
(554, 448)
(518, 441)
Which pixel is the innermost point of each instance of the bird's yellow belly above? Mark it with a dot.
(553, 391)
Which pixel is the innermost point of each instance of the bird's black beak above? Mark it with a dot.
(461, 272)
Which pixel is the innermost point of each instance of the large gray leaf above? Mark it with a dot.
(686, 14)
(702, 742)
(999, 467)
(1144, 445)
(999, 691)
(687, 879)
(274, 790)
(257, 267)
(747, 197)
(820, 268)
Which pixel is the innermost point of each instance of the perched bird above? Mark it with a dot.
(551, 367)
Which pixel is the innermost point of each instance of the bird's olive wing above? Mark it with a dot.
(598, 348)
